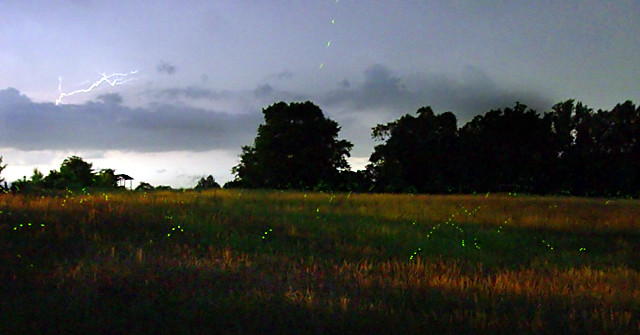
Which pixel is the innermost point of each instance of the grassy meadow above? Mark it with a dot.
(234, 261)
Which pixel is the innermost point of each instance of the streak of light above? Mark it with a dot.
(113, 79)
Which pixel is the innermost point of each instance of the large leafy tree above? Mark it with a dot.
(505, 150)
(622, 146)
(604, 156)
(207, 183)
(575, 161)
(501, 150)
(561, 141)
(570, 150)
(296, 147)
(76, 172)
(419, 153)
(106, 178)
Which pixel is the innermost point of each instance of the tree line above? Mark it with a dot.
(77, 175)
(74, 174)
(569, 150)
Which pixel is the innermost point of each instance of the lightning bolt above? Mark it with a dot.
(113, 79)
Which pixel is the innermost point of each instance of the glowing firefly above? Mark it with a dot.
(333, 21)
(113, 79)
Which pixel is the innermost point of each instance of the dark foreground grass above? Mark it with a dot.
(282, 262)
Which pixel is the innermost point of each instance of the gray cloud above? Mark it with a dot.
(262, 94)
(384, 96)
(380, 89)
(191, 179)
(471, 94)
(286, 74)
(380, 97)
(263, 91)
(110, 98)
(165, 67)
(12, 97)
(267, 94)
(108, 125)
(189, 92)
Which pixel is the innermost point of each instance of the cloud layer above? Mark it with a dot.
(170, 121)
(165, 67)
(108, 125)
(474, 92)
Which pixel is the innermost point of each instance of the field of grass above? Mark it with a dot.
(232, 261)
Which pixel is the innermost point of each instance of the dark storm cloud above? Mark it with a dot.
(380, 89)
(267, 94)
(476, 93)
(108, 125)
(189, 92)
(471, 94)
(262, 94)
(286, 74)
(165, 67)
(263, 91)
(384, 96)
(111, 98)
(12, 97)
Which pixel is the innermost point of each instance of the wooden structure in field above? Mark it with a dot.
(122, 179)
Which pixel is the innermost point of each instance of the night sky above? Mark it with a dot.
(191, 77)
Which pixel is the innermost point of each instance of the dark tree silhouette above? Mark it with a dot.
(619, 149)
(54, 180)
(582, 160)
(208, 183)
(419, 154)
(37, 178)
(34, 184)
(144, 187)
(579, 140)
(2, 167)
(507, 150)
(106, 178)
(569, 150)
(76, 173)
(355, 181)
(4, 187)
(605, 156)
(560, 119)
(296, 147)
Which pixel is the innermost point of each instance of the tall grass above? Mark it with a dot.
(237, 261)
